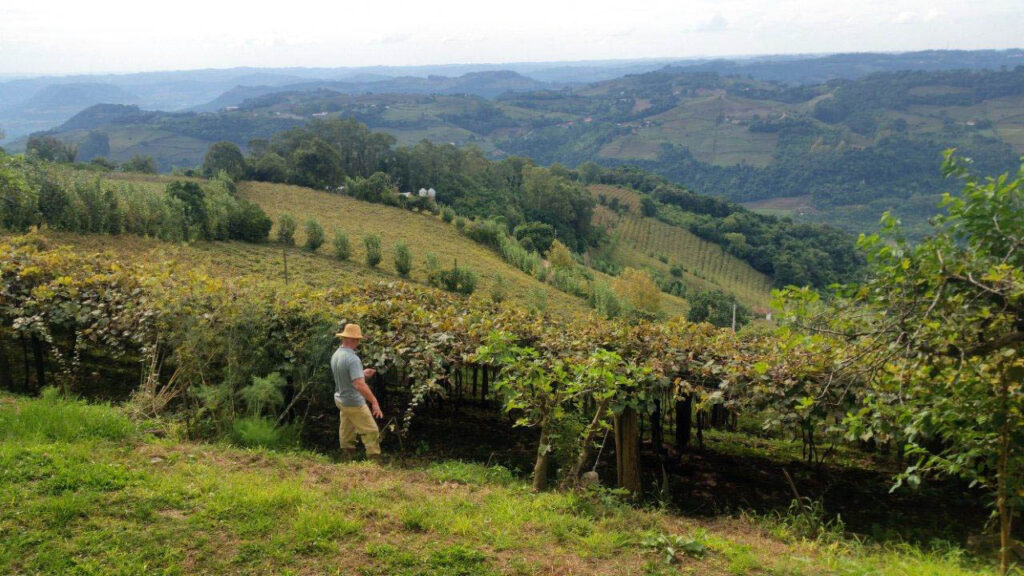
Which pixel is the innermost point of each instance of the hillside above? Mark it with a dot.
(88, 490)
(842, 151)
(423, 233)
(702, 265)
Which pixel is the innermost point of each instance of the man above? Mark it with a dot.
(351, 395)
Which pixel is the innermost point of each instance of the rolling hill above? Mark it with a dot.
(424, 233)
(841, 151)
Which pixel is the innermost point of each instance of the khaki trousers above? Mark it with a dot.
(358, 420)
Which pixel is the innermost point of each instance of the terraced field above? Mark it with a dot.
(648, 242)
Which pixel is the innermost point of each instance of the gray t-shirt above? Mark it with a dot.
(347, 368)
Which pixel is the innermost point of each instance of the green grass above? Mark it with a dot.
(95, 495)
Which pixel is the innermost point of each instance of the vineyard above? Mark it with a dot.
(657, 245)
(848, 392)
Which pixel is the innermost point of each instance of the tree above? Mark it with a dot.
(639, 292)
(316, 165)
(648, 207)
(403, 259)
(535, 236)
(373, 250)
(194, 200)
(226, 157)
(716, 307)
(939, 328)
(51, 149)
(141, 164)
(314, 235)
(560, 256)
(286, 229)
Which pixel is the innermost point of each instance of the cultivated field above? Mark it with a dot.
(647, 241)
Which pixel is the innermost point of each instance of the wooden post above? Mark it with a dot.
(540, 467)
(627, 450)
(684, 422)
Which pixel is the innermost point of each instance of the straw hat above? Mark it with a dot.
(351, 331)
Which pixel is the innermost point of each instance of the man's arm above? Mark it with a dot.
(362, 388)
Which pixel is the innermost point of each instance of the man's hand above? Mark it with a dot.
(375, 410)
(368, 372)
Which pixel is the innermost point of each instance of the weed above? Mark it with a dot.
(670, 546)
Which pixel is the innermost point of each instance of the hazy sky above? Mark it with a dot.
(54, 37)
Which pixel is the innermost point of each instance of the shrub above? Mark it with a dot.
(286, 229)
(498, 289)
(403, 259)
(373, 250)
(447, 214)
(639, 292)
(431, 263)
(342, 249)
(257, 432)
(314, 235)
(461, 280)
(604, 300)
(559, 255)
(248, 222)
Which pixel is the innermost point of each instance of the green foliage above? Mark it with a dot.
(808, 519)
(605, 301)
(456, 279)
(55, 418)
(716, 307)
(535, 236)
(498, 290)
(314, 235)
(260, 432)
(18, 199)
(936, 330)
(639, 294)
(50, 149)
(286, 229)
(671, 546)
(196, 223)
(372, 244)
(403, 259)
(225, 157)
(264, 395)
(342, 248)
(248, 222)
(141, 164)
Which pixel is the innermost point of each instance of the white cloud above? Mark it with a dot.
(716, 23)
(64, 36)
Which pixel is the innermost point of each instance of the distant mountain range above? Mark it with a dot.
(766, 132)
(34, 104)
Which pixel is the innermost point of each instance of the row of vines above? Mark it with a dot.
(176, 339)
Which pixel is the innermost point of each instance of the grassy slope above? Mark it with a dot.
(707, 265)
(423, 233)
(85, 491)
